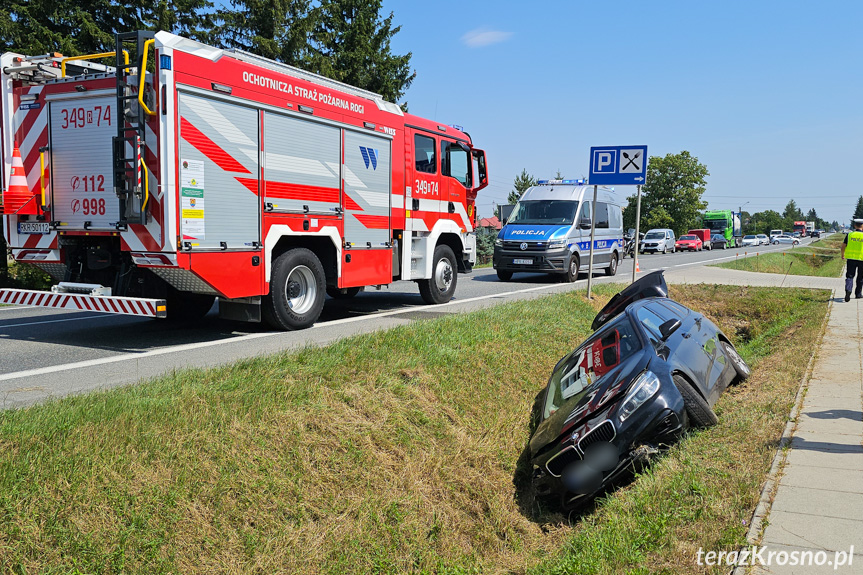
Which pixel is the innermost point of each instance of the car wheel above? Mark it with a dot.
(612, 267)
(572, 273)
(347, 293)
(441, 286)
(740, 366)
(297, 286)
(664, 249)
(697, 408)
(504, 275)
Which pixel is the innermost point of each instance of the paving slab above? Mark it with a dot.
(838, 480)
(821, 502)
(813, 531)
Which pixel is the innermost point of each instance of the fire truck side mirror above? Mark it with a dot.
(482, 172)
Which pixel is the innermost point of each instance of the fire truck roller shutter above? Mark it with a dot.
(367, 175)
(301, 165)
(218, 174)
(82, 163)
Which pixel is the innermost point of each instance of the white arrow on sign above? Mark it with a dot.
(638, 179)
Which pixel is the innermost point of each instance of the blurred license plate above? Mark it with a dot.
(524, 262)
(33, 228)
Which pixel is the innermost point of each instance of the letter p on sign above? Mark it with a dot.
(604, 161)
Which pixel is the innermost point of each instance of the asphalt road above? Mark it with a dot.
(48, 353)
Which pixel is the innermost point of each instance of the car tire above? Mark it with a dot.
(440, 287)
(698, 410)
(571, 273)
(740, 366)
(297, 287)
(504, 275)
(348, 293)
(725, 246)
(664, 250)
(612, 266)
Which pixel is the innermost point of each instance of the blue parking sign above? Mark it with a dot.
(618, 165)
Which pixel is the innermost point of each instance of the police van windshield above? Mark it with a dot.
(546, 212)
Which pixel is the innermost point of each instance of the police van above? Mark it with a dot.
(549, 231)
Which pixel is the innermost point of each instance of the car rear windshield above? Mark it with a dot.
(687, 237)
(748, 237)
(586, 367)
(544, 212)
(654, 235)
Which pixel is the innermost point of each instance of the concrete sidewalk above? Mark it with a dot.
(818, 500)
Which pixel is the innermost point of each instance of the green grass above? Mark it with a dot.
(818, 259)
(392, 452)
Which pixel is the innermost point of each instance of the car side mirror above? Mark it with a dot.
(584, 224)
(668, 328)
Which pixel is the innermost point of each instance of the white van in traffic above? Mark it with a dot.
(658, 240)
(549, 231)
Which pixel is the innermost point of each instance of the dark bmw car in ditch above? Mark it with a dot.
(652, 369)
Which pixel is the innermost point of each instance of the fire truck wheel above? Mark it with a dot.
(297, 288)
(185, 306)
(440, 287)
(348, 293)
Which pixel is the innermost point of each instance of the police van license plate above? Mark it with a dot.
(33, 228)
(522, 262)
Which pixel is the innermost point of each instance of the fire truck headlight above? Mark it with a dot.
(643, 388)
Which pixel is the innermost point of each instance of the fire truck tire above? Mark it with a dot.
(336, 293)
(297, 287)
(185, 306)
(440, 287)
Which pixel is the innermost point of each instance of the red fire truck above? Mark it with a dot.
(181, 173)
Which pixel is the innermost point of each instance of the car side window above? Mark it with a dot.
(585, 212)
(651, 322)
(601, 215)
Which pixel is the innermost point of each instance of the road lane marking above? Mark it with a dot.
(54, 321)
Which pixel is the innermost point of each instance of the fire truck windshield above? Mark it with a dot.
(544, 212)
(586, 367)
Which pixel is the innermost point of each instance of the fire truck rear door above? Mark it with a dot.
(219, 150)
(82, 163)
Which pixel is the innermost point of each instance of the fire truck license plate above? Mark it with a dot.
(525, 262)
(33, 228)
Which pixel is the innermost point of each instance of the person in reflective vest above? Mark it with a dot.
(852, 250)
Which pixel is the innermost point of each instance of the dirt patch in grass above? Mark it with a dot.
(392, 452)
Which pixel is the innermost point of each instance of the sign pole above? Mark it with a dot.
(592, 234)
(637, 228)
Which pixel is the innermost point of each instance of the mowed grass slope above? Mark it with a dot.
(820, 258)
(387, 453)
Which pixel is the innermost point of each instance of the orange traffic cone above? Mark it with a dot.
(637, 267)
(18, 193)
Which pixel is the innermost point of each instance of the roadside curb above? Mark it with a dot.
(768, 491)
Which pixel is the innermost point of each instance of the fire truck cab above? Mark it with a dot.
(183, 173)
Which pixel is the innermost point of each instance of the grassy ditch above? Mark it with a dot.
(391, 452)
(820, 258)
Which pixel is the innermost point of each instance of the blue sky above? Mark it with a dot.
(766, 94)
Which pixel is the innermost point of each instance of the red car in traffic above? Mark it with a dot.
(689, 242)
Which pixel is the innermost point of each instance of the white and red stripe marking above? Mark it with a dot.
(79, 302)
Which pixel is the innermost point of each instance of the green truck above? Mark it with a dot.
(726, 224)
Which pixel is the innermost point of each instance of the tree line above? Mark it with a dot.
(346, 40)
(672, 198)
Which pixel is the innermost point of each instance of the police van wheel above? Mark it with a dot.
(441, 286)
(612, 267)
(297, 286)
(504, 275)
(572, 272)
